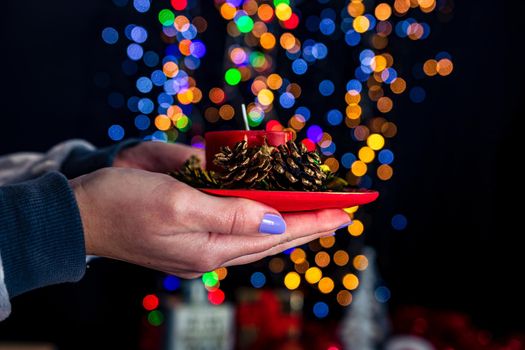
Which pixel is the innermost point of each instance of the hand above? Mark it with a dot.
(157, 156)
(155, 221)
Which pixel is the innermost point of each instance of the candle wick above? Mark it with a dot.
(245, 117)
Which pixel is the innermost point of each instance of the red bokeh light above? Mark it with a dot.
(150, 302)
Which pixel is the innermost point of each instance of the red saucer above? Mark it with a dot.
(289, 201)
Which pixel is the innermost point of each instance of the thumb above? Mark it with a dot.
(237, 216)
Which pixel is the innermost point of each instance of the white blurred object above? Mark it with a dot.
(408, 342)
(196, 324)
(365, 325)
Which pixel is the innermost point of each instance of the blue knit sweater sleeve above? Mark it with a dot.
(41, 234)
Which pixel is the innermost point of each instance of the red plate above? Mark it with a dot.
(288, 201)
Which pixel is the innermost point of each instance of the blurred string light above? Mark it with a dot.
(166, 93)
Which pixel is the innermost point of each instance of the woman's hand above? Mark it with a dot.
(153, 220)
(158, 157)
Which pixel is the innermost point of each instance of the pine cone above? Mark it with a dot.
(243, 167)
(193, 174)
(296, 169)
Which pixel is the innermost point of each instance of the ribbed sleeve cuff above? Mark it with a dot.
(83, 161)
(41, 234)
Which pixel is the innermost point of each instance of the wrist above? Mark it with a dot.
(83, 207)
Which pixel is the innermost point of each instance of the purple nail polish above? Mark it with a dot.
(345, 225)
(272, 224)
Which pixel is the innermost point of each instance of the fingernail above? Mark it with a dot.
(272, 224)
(345, 225)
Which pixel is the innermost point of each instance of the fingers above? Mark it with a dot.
(302, 227)
(247, 259)
(229, 216)
(167, 157)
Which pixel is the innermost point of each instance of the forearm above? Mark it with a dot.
(41, 234)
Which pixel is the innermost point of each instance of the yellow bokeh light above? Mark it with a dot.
(221, 272)
(398, 86)
(378, 63)
(326, 285)
(359, 168)
(385, 172)
(344, 298)
(163, 122)
(283, 11)
(292, 280)
(350, 281)
(366, 154)
(361, 24)
(402, 6)
(383, 11)
(430, 67)
(170, 69)
(426, 3)
(327, 242)
(375, 141)
(274, 81)
(298, 256)
(360, 262)
(341, 258)
(351, 210)
(265, 97)
(355, 8)
(352, 98)
(313, 275)
(445, 67)
(228, 11)
(250, 6)
(356, 228)
(265, 12)
(185, 96)
(267, 41)
(226, 112)
(287, 41)
(353, 111)
(385, 104)
(322, 259)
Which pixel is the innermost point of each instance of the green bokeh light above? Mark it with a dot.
(166, 17)
(210, 279)
(155, 318)
(232, 76)
(257, 59)
(277, 2)
(245, 24)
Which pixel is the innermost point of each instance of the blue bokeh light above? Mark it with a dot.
(116, 132)
(135, 51)
(326, 87)
(110, 35)
(399, 222)
(171, 283)
(142, 122)
(334, 117)
(417, 94)
(144, 85)
(299, 66)
(321, 309)
(258, 279)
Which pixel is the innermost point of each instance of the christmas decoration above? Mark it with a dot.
(286, 167)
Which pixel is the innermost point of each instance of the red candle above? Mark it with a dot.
(217, 139)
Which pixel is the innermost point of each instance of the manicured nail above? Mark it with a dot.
(272, 224)
(345, 225)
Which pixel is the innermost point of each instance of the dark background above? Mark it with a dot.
(455, 169)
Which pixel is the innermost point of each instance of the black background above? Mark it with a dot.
(455, 169)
